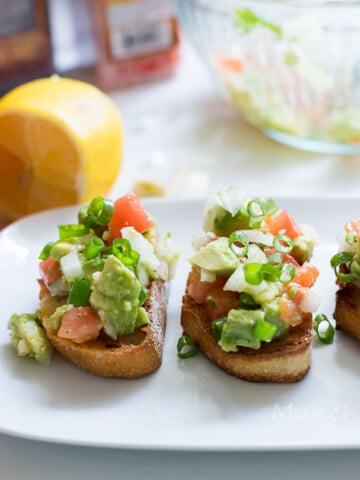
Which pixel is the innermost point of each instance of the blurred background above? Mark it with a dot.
(39, 37)
(198, 83)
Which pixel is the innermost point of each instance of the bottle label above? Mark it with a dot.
(140, 27)
(16, 16)
(25, 49)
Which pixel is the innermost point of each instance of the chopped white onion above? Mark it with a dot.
(311, 302)
(139, 243)
(56, 288)
(207, 276)
(255, 254)
(71, 266)
(163, 271)
(109, 326)
(344, 245)
(232, 199)
(198, 242)
(148, 262)
(262, 293)
(236, 282)
(142, 275)
(256, 236)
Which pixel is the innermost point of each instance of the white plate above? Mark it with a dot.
(186, 404)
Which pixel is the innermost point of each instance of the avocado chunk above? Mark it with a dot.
(142, 318)
(303, 249)
(217, 257)
(58, 314)
(64, 247)
(225, 223)
(272, 315)
(116, 295)
(29, 338)
(238, 330)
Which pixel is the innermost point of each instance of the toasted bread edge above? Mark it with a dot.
(283, 361)
(347, 310)
(129, 357)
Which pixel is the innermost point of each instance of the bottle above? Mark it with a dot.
(138, 41)
(25, 45)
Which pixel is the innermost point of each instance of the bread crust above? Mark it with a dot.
(283, 361)
(347, 309)
(130, 356)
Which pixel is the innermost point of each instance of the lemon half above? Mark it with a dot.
(60, 144)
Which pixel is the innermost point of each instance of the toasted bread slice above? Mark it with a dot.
(347, 309)
(282, 361)
(130, 356)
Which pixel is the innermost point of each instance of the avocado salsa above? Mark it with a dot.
(251, 271)
(100, 269)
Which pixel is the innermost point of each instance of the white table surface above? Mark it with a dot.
(182, 125)
(172, 128)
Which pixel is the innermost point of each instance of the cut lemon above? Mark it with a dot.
(60, 144)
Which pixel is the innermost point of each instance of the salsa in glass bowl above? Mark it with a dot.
(291, 68)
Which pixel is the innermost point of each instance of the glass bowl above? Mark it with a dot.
(292, 68)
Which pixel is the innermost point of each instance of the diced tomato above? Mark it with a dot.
(128, 212)
(230, 64)
(218, 302)
(211, 295)
(49, 271)
(290, 311)
(282, 221)
(295, 292)
(198, 290)
(306, 275)
(80, 324)
(353, 227)
(285, 257)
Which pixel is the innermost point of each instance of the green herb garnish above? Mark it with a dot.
(323, 329)
(186, 347)
(247, 20)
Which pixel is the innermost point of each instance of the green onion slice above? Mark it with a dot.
(282, 243)
(274, 259)
(269, 272)
(355, 269)
(80, 293)
(239, 243)
(144, 293)
(82, 214)
(45, 252)
(323, 329)
(121, 248)
(217, 327)
(264, 331)
(252, 273)
(93, 248)
(186, 347)
(351, 238)
(247, 302)
(270, 206)
(342, 258)
(256, 212)
(287, 273)
(99, 212)
(72, 230)
(247, 20)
